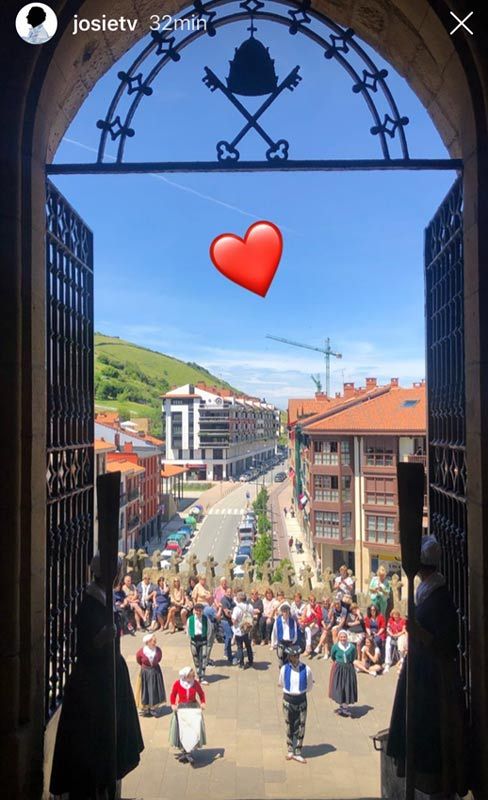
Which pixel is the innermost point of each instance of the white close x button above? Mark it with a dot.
(461, 22)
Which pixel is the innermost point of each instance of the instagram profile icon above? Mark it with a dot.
(36, 23)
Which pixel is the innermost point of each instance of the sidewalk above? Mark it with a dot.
(292, 528)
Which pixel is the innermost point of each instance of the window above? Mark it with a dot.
(379, 457)
(327, 524)
(345, 453)
(346, 525)
(380, 529)
(409, 403)
(176, 429)
(177, 402)
(326, 488)
(326, 452)
(346, 488)
(218, 453)
(380, 491)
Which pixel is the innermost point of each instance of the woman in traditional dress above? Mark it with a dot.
(380, 589)
(81, 767)
(343, 685)
(439, 720)
(150, 691)
(187, 729)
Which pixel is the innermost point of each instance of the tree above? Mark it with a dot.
(261, 502)
(262, 550)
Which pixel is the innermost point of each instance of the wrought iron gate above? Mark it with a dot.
(70, 454)
(444, 297)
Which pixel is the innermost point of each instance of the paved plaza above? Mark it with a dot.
(245, 753)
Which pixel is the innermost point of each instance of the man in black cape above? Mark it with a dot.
(80, 765)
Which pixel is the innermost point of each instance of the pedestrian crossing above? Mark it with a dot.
(235, 512)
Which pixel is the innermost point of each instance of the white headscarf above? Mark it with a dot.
(183, 677)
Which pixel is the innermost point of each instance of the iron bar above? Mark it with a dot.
(319, 165)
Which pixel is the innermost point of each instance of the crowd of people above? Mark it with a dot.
(241, 622)
(354, 642)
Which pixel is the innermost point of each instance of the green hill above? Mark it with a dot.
(131, 379)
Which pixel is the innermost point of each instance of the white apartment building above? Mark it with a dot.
(215, 433)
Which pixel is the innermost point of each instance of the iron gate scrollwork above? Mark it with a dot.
(70, 453)
(444, 296)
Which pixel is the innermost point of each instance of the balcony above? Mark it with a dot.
(123, 499)
(133, 523)
(411, 459)
(132, 495)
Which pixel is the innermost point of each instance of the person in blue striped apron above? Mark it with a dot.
(296, 680)
(285, 633)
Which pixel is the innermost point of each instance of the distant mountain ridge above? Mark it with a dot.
(130, 378)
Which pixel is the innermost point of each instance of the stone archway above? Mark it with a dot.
(449, 75)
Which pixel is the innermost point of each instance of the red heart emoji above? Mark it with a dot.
(250, 262)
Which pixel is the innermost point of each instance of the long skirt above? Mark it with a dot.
(343, 684)
(150, 689)
(193, 722)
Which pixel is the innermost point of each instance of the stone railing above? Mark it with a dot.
(138, 562)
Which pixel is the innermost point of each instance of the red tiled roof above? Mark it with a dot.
(101, 446)
(308, 406)
(169, 470)
(383, 412)
(124, 466)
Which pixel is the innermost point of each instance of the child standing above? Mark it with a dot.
(343, 685)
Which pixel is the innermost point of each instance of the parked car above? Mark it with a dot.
(244, 550)
(246, 539)
(280, 477)
(165, 562)
(238, 568)
(174, 547)
(180, 538)
(246, 528)
(244, 477)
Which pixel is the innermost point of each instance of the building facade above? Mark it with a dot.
(345, 473)
(146, 452)
(131, 482)
(217, 434)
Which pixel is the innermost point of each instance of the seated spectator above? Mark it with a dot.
(325, 642)
(311, 622)
(376, 626)
(121, 603)
(370, 658)
(130, 592)
(145, 593)
(201, 593)
(280, 599)
(338, 614)
(270, 605)
(258, 610)
(298, 605)
(161, 605)
(395, 630)
(355, 626)
(178, 606)
(192, 582)
(220, 590)
(343, 582)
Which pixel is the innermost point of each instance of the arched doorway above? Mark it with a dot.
(445, 79)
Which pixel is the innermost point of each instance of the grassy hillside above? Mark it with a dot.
(131, 379)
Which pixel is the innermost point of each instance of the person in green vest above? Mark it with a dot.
(197, 630)
(343, 685)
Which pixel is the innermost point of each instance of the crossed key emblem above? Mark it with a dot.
(277, 150)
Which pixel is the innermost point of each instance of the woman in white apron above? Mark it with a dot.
(187, 729)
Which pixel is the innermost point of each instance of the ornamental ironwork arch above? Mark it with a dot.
(252, 74)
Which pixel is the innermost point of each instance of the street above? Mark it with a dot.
(217, 535)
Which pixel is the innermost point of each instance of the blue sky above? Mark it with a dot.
(352, 265)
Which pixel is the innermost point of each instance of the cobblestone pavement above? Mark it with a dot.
(245, 753)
